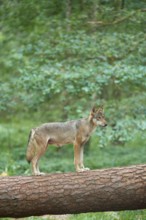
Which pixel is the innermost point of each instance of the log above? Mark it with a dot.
(69, 193)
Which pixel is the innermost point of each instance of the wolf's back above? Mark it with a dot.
(31, 146)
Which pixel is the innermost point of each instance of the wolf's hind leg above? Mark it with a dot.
(34, 163)
(40, 149)
(38, 170)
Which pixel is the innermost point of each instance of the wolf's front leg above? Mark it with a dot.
(78, 158)
(82, 168)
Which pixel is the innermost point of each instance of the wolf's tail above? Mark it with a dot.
(31, 146)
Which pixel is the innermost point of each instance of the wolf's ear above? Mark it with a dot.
(92, 113)
(93, 110)
(101, 109)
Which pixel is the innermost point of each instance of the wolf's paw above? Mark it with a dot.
(39, 174)
(83, 169)
(80, 170)
(86, 169)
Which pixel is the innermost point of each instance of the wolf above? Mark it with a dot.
(76, 132)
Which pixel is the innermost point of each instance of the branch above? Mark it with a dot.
(119, 20)
(92, 191)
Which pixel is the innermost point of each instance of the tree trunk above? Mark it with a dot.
(68, 14)
(92, 191)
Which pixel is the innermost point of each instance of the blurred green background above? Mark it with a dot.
(58, 59)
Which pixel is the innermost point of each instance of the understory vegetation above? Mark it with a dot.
(58, 59)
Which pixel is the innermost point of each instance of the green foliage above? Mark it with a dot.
(58, 58)
(57, 69)
(134, 215)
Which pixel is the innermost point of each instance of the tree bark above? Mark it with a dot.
(68, 14)
(92, 191)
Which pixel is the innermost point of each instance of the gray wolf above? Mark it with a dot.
(76, 132)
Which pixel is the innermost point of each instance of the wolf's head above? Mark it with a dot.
(97, 117)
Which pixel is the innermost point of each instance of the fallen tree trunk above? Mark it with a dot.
(92, 191)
